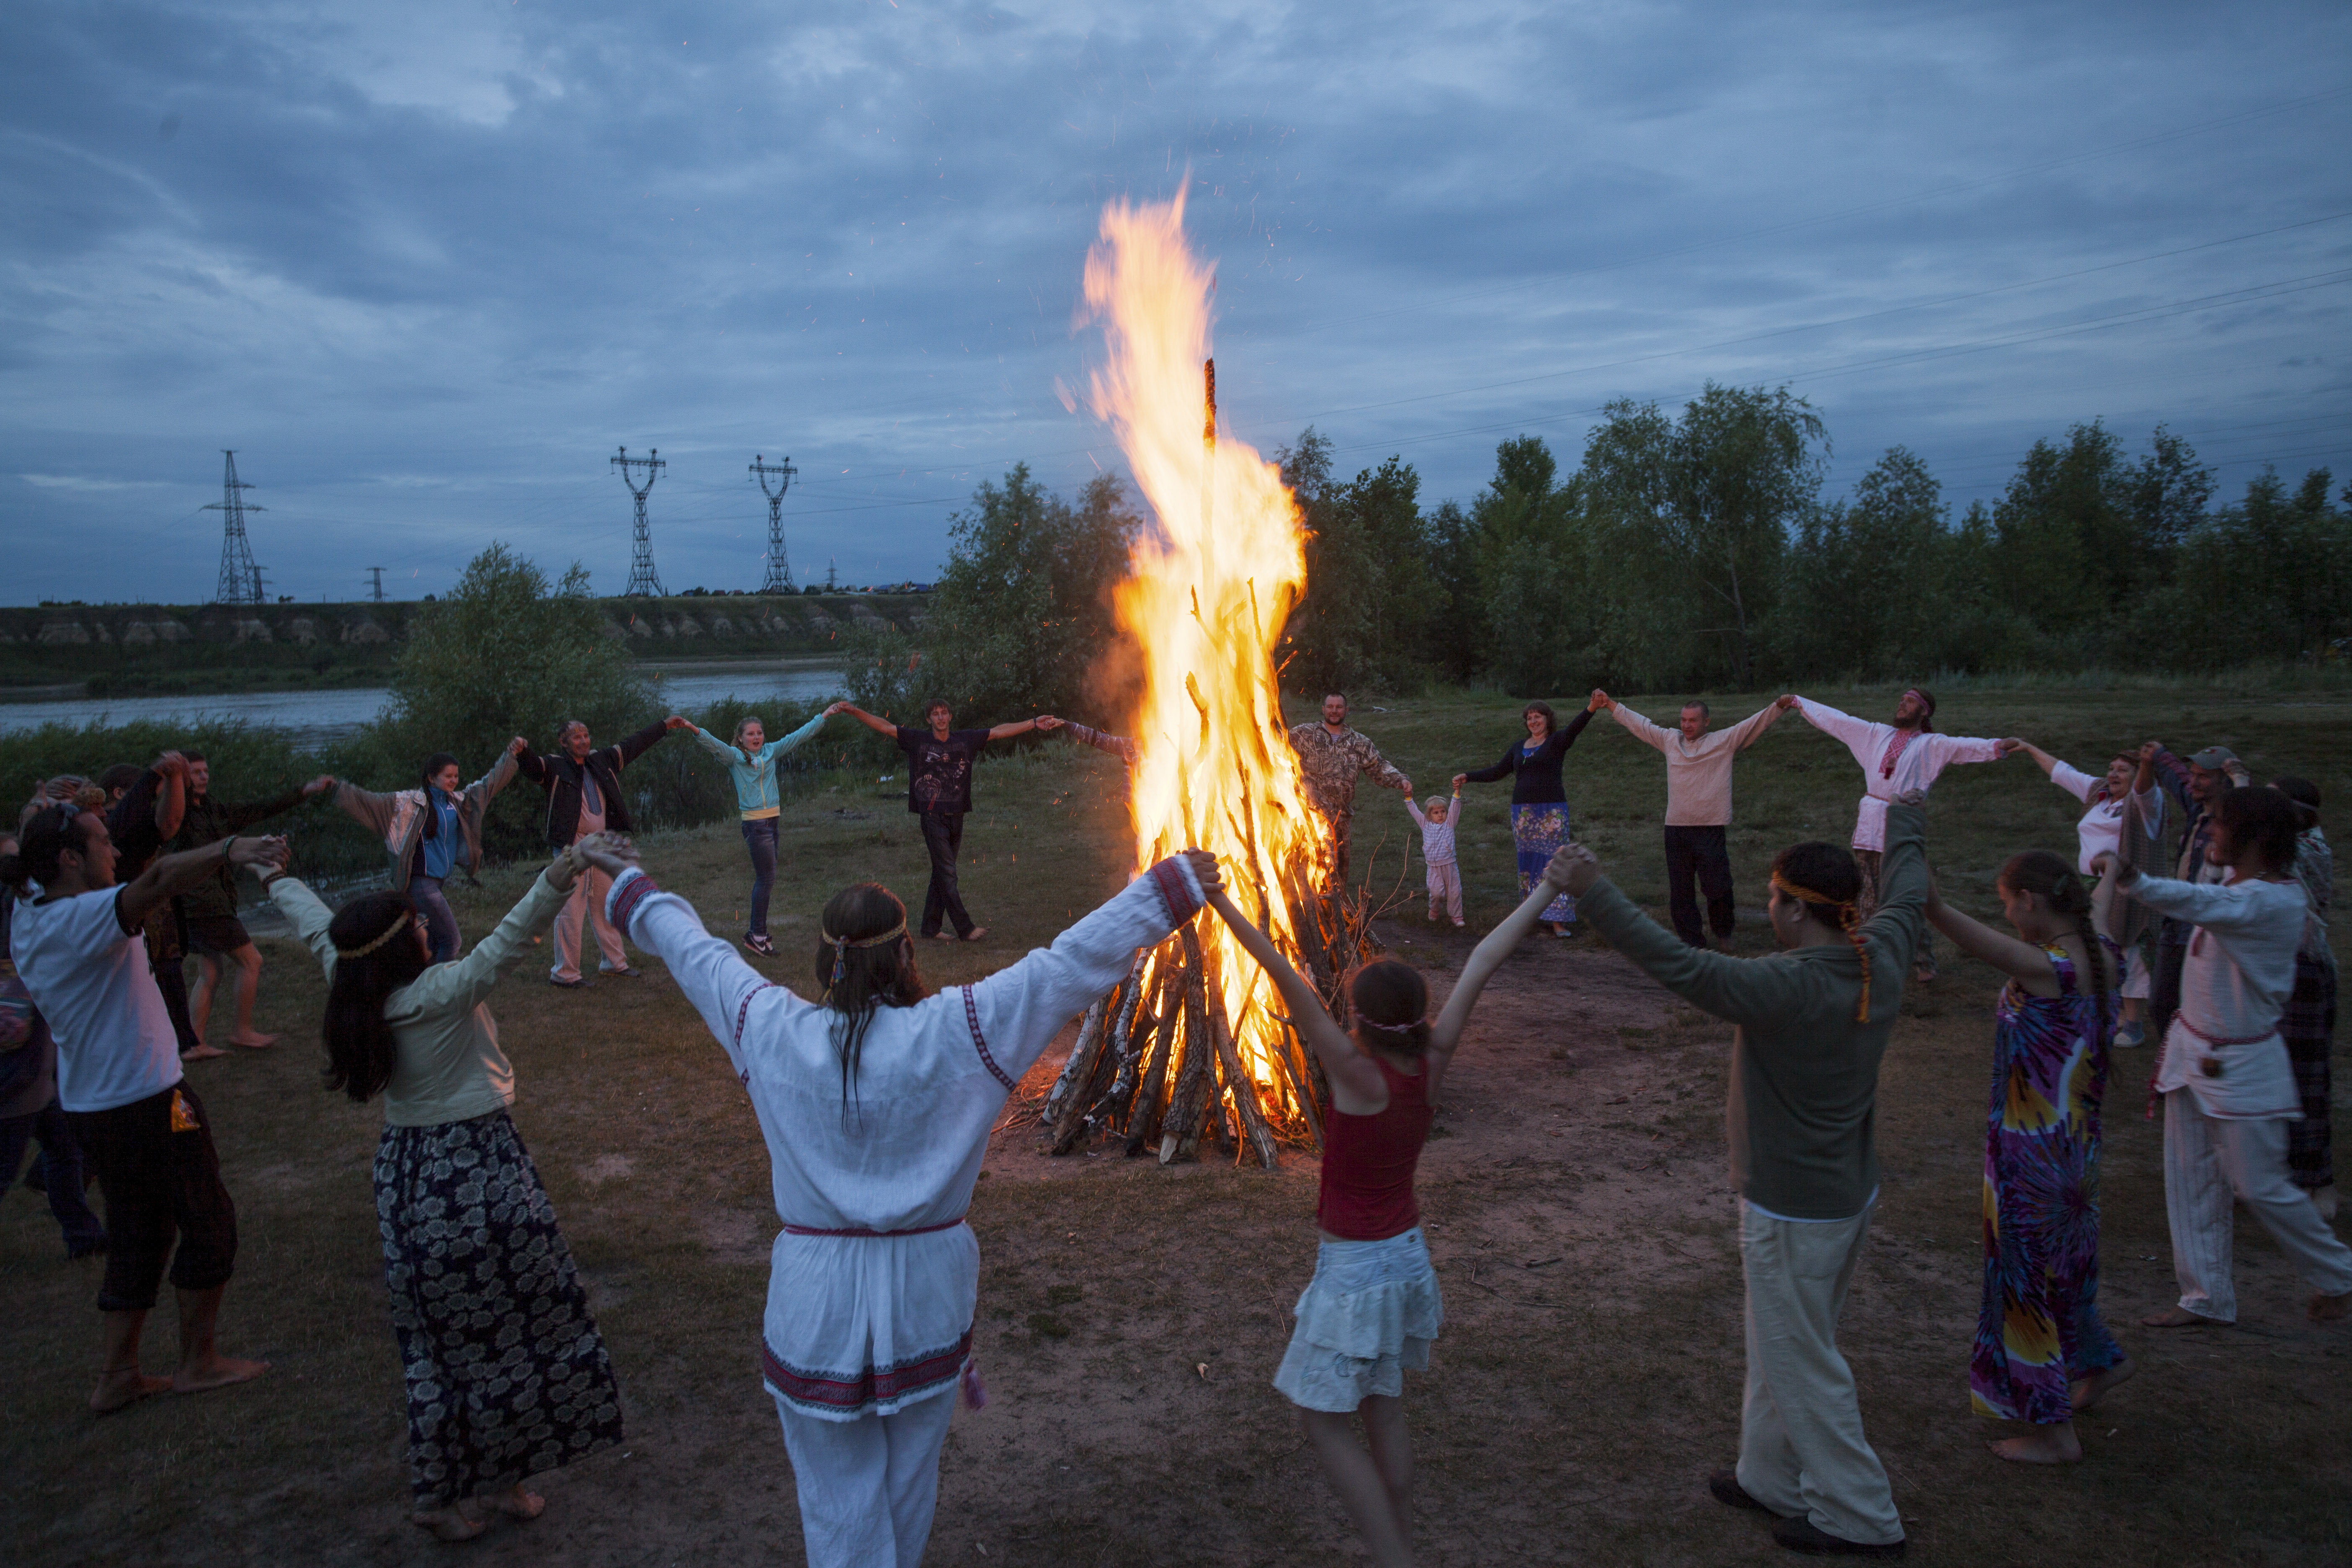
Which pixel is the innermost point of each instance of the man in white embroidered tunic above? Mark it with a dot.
(877, 1105)
(2228, 1090)
(1895, 757)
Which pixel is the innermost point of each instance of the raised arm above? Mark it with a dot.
(1411, 805)
(1574, 727)
(799, 737)
(2019, 959)
(629, 748)
(458, 987)
(251, 812)
(1488, 955)
(1635, 725)
(168, 875)
(713, 744)
(305, 912)
(2041, 759)
(879, 726)
(1750, 730)
(171, 795)
(501, 774)
(1503, 769)
(1357, 1087)
(1855, 733)
(1018, 727)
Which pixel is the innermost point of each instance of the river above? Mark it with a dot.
(314, 718)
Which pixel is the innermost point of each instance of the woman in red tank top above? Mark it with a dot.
(1373, 1307)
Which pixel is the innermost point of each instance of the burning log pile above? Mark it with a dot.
(1193, 1043)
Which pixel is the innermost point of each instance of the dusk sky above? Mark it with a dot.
(425, 266)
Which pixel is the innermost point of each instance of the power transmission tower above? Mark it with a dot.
(240, 578)
(831, 577)
(642, 578)
(377, 590)
(780, 569)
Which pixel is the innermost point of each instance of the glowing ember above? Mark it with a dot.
(1205, 605)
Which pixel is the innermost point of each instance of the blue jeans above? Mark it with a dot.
(759, 838)
(440, 921)
(61, 1172)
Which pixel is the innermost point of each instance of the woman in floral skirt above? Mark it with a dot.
(507, 1375)
(1539, 819)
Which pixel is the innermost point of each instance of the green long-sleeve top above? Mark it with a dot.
(1804, 1074)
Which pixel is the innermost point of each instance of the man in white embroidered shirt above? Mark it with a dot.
(1895, 757)
(2228, 1090)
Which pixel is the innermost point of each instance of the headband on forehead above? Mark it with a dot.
(1849, 918)
(394, 929)
(1925, 702)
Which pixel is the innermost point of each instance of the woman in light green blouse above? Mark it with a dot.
(751, 759)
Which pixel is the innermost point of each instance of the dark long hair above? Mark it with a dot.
(433, 766)
(359, 1039)
(1391, 1004)
(2040, 872)
(854, 981)
(2262, 818)
(45, 835)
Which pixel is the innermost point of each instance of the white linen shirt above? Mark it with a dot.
(2234, 982)
(2101, 830)
(1921, 763)
(866, 1324)
(90, 980)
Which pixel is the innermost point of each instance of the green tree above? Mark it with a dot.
(2265, 579)
(1692, 518)
(1537, 624)
(1021, 620)
(1365, 620)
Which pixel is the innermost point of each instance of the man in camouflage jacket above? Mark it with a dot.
(1330, 756)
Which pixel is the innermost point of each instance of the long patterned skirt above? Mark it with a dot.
(2308, 1027)
(1537, 831)
(506, 1376)
(2039, 1328)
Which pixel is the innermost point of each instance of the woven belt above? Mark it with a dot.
(861, 1230)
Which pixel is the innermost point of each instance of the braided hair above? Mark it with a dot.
(1824, 876)
(2052, 880)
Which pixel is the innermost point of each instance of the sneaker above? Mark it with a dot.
(758, 943)
(2129, 1037)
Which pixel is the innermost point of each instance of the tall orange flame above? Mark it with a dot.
(1206, 603)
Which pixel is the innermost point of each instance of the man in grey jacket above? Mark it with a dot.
(1812, 1022)
(432, 833)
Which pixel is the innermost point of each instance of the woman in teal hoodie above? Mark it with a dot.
(751, 758)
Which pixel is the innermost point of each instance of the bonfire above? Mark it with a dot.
(1193, 1043)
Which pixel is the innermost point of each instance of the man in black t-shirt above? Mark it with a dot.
(939, 790)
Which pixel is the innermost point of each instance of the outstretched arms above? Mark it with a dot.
(167, 874)
(1487, 957)
(1357, 1087)
(2019, 960)
(879, 726)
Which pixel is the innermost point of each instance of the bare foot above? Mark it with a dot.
(215, 1372)
(253, 1040)
(2325, 1308)
(943, 936)
(2043, 1445)
(201, 1052)
(518, 1503)
(976, 933)
(2089, 1390)
(447, 1525)
(2178, 1317)
(121, 1390)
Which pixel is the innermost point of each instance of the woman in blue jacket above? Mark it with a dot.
(751, 760)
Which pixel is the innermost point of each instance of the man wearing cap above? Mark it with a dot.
(1896, 759)
(2195, 786)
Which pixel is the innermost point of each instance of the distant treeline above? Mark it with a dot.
(1685, 553)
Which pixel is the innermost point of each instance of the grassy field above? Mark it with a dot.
(1589, 1374)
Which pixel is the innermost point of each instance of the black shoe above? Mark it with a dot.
(1724, 1485)
(1802, 1534)
(758, 943)
(568, 985)
(626, 972)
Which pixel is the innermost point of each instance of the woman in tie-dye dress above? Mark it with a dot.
(2042, 1354)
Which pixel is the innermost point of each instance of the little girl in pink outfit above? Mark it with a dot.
(1437, 851)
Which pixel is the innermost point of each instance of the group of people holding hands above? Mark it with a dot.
(876, 1097)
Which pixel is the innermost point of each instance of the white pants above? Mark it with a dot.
(868, 1487)
(2205, 1159)
(1445, 887)
(585, 907)
(1801, 1451)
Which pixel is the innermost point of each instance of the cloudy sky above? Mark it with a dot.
(425, 266)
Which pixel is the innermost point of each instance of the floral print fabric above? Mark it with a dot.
(2039, 1326)
(506, 1376)
(1538, 830)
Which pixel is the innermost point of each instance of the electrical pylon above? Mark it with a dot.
(375, 590)
(642, 577)
(240, 578)
(778, 579)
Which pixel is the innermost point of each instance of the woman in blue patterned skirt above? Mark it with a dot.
(1540, 820)
(507, 1375)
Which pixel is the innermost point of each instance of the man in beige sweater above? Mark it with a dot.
(1699, 806)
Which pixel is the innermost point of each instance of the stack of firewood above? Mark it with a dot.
(1155, 1067)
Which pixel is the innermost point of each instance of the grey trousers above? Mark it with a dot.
(1801, 1451)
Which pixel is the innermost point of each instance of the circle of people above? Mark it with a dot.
(877, 1100)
